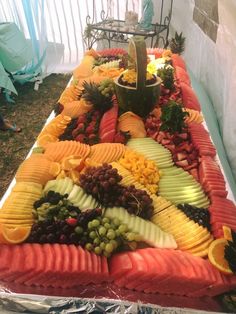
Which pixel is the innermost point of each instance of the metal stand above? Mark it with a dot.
(117, 30)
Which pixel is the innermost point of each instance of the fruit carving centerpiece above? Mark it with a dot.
(136, 89)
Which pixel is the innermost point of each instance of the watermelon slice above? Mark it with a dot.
(182, 76)
(177, 60)
(107, 127)
(189, 97)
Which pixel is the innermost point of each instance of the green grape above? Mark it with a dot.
(123, 228)
(92, 234)
(130, 236)
(79, 230)
(105, 220)
(114, 243)
(117, 233)
(102, 245)
(113, 227)
(102, 231)
(107, 95)
(107, 225)
(90, 225)
(106, 254)
(109, 248)
(97, 250)
(116, 222)
(89, 246)
(111, 234)
(95, 223)
(96, 241)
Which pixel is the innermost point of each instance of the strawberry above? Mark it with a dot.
(81, 119)
(80, 126)
(90, 129)
(80, 138)
(71, 221)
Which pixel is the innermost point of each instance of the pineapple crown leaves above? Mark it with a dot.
(173, 117)
(92, 94)
(177, 43)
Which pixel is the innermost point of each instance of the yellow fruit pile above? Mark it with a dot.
(16, 216)
(143, 170)
(189, 236)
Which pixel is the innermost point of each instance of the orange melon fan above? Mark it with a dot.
(36, 169)
(14, 234)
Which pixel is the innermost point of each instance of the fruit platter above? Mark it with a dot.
(123, 195)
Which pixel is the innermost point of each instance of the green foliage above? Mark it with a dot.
(177, 43)
(173, 117)
(167, 75)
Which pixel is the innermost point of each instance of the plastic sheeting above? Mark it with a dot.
(213, 64)
(39, 304)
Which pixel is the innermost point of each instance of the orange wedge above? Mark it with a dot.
(14, 234)
(55, 169)
(216, 256)
(46, 138)
(227, 233)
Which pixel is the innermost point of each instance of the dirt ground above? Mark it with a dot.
(29, 112)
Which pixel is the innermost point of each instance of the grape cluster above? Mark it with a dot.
(107, 87)
(105, 236)
(69, 231)
(67, 134)
(197, 214)
(136, 202)
(53, 232)
(103, 183)
(54, 206)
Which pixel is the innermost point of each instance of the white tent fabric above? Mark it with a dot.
(214, 64)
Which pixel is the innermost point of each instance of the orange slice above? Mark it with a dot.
(227, 233)
(55, 169)
(15, 234)
(46, 138)
(216, 255)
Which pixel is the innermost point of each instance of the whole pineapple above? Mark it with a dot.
(93, 94)
(177, 43)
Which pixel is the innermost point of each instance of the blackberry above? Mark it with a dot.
(230, 252)
(197, 214)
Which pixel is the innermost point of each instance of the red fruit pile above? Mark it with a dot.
(184, 153)
(87, 127)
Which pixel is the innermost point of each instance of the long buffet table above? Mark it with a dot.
(37, 303)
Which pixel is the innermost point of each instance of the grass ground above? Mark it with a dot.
(29, 112)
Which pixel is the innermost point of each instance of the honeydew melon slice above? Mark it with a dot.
(149, 232)
(74, 193)
(183, 189)
(49, 186)
(89, 203)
